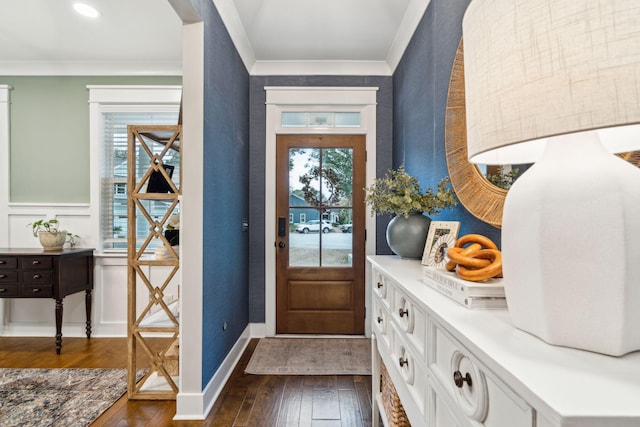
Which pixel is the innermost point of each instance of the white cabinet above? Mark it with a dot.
(452, 366)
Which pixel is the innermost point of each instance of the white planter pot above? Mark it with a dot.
(52, 240)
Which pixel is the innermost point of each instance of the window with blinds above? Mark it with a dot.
(114, 174)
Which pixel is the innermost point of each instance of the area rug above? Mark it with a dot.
(311, 356)
(58, 397)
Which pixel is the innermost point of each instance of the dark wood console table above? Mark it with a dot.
(36, 273)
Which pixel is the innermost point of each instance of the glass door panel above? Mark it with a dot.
(320, 211)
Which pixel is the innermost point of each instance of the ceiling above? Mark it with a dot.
(143, 37)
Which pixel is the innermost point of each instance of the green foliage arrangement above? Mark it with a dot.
(399, 193)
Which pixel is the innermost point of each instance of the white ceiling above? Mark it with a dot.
(143, 37)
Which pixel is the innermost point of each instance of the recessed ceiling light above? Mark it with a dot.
(86, 10)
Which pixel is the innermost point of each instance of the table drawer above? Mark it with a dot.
(37, 276)
(32, 262)
(8, 262)
(8, 276)
(36, 291)
(8, 290)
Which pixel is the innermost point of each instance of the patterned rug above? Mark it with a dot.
(311, 356)
(58, 397)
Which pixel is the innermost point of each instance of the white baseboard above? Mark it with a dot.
(258, 330)
(196, 406)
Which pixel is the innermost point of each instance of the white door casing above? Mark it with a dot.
(284, 99)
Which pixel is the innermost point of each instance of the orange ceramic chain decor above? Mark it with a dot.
(480, 260)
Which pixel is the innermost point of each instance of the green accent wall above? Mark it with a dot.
(49, 135)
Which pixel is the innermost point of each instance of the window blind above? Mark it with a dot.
(113, 190)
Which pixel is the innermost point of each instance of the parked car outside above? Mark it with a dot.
(346, 228)
(313, 225)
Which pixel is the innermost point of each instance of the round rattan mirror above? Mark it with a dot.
(479, 196)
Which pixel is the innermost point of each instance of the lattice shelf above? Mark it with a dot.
(153, 190)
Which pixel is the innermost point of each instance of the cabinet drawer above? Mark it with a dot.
(412, 321)
(381, 285)
(36, 291)
(476, 394)
(412, 374)
(8, 276)
(380, 318)
(8, 290)
(37, 276)
(32, 262)
(8, 262)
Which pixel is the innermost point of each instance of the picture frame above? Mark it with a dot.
(441, 236)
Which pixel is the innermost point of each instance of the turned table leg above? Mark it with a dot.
(58, 325)
(87, 306)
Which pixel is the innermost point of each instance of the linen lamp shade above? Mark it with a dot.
(557, 82)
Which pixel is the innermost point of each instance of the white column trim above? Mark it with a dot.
(279, 99)
(191, 255)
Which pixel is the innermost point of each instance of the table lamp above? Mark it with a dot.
(557, 82)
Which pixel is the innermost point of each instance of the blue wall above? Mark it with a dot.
(226, 188)
(420, 86)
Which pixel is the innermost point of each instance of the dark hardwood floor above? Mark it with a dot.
(246, 400)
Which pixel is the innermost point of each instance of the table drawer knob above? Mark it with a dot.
(37, 276)
(459, 380)
(2, 290)
(403, 312)
(36, 290)
(3, 276)
(36, 262)
(2, 262)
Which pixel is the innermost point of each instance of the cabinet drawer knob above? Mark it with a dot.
(2, 276)
(35, 262)
(380, 319)
(36, 290)
(2, 262)
(403, 361)
(379, 285)
(403, 312)
(2, 290)
(459, 380)
(37, 276)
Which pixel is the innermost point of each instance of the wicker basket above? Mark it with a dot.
(396, 416)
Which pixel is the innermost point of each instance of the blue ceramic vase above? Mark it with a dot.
(406, 236)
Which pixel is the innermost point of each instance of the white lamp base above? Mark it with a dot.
(571, 248)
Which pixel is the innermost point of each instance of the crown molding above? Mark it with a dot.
(231, 20)
(90, 68)
(320, 68)
(412, 17)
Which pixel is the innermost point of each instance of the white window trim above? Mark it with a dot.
(283, 98)
(114, 98)
(4, 167)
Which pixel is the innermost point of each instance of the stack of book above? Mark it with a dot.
(488, 294)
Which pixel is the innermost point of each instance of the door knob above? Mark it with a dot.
(281, 245)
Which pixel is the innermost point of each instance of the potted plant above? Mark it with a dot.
(50, 235)
(401, 195)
